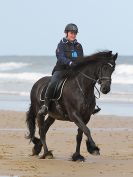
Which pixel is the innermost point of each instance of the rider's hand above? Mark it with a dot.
(72, 64)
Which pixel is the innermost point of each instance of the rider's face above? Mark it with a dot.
(71, 36)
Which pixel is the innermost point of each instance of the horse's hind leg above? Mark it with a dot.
(76, 156)
(37, 146)
(43, 128)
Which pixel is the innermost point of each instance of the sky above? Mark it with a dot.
(35, 27)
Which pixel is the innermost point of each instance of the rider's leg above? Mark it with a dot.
(56, 77)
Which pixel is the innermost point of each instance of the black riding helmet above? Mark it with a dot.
(71, 27)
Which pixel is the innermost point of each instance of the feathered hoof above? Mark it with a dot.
(48, 155)
(36, 149)
(94, 150)
(78, 158)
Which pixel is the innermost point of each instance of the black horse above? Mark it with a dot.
(77, 101)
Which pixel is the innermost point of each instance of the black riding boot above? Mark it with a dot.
(96, 110)
(45, 107)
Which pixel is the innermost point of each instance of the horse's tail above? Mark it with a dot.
(31, 123)
(34, 108)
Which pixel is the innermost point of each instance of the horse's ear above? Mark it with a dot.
(115, 56)
(110, 52)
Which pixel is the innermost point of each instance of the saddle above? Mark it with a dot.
(57, 91)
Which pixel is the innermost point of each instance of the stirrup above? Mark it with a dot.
(96, 110)
(43, 110)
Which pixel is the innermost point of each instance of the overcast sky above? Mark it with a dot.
(34, 27)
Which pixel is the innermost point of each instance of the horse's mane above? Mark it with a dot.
(96, 57)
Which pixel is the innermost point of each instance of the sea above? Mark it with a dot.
(19, 73)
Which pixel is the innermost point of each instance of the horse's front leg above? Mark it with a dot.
(91, 146)
(76, 156)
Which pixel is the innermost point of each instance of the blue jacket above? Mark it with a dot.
(66, 52)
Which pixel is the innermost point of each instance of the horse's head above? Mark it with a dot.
(101, 64)
(106, 69)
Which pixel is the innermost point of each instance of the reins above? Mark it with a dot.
(90, 78)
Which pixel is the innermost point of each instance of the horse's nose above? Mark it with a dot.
(105, 90)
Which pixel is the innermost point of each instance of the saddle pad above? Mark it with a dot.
(57, 92)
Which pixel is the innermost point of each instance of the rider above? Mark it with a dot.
(67, 51)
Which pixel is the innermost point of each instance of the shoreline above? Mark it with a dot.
(107, 108)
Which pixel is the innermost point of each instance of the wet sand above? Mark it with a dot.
(114, 136)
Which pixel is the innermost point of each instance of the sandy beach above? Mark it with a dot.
(114, 136)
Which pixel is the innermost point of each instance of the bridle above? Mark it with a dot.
(108, 79)
(99, 80)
